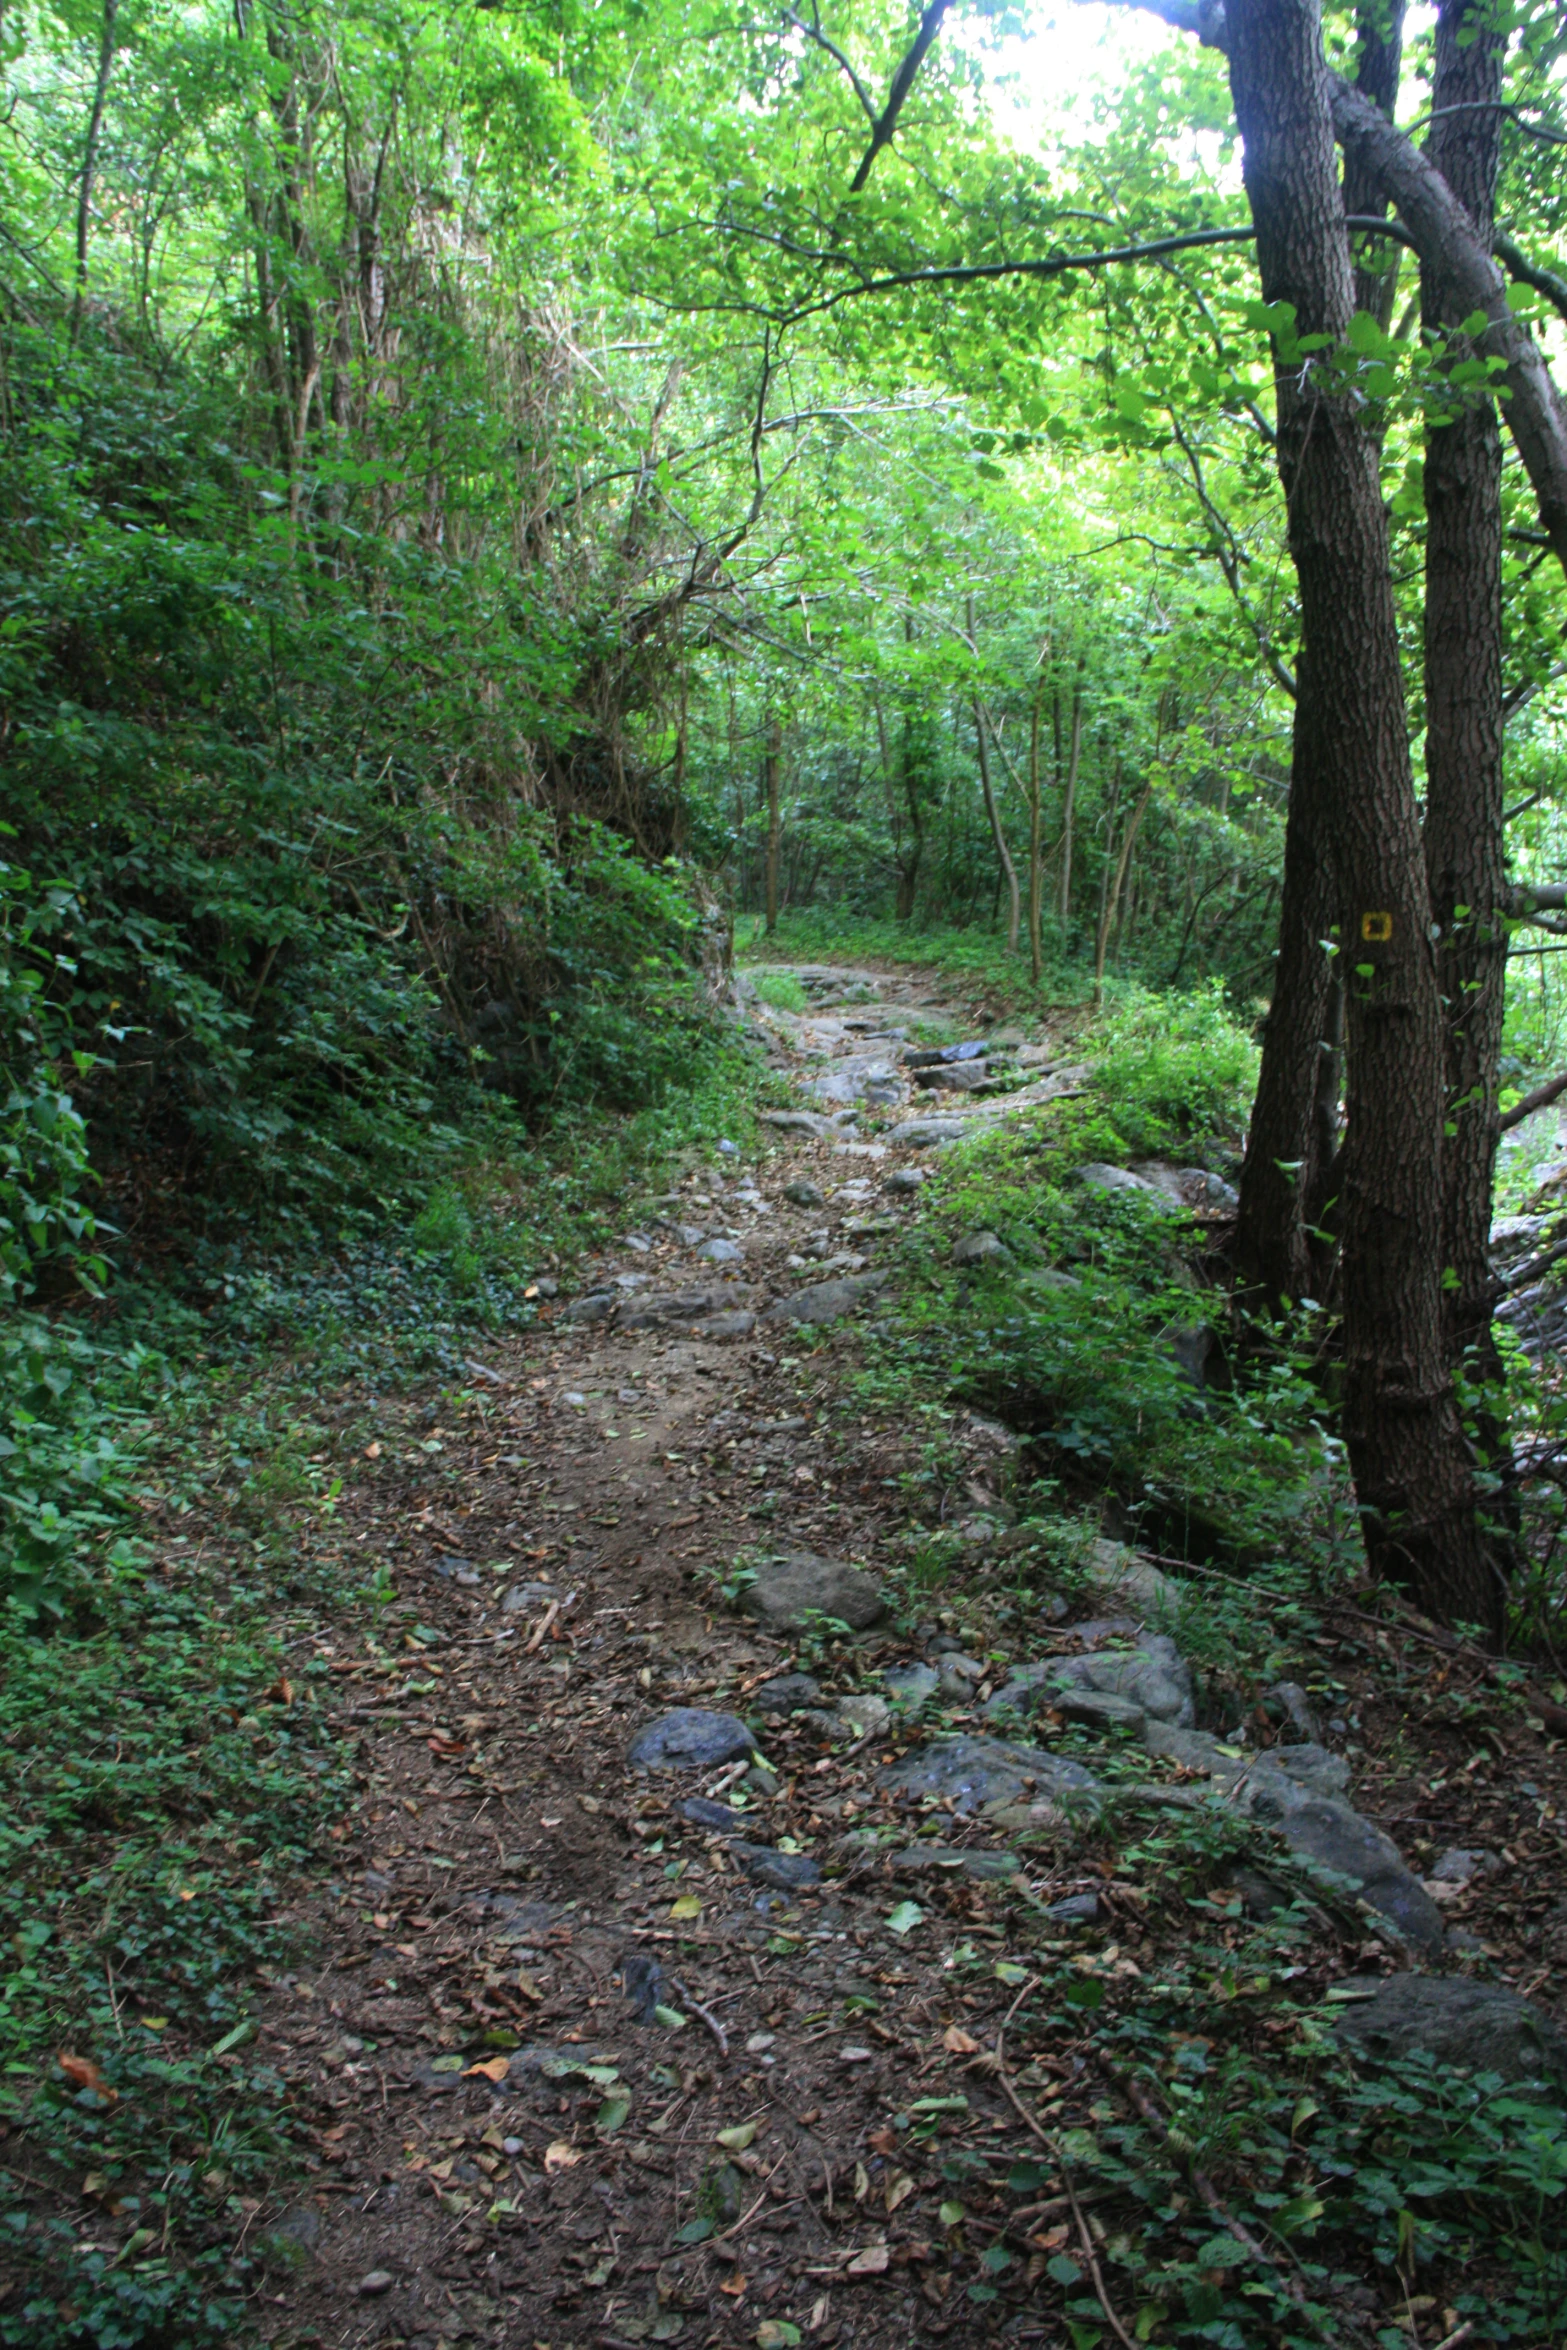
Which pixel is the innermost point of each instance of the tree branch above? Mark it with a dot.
(1541, 1099)
(886, 123)
(813, 32)
(1528, 273)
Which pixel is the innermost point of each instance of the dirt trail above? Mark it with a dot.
(777, 2159)
(596, 2060)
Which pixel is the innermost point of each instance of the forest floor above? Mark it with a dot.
(861, 2113)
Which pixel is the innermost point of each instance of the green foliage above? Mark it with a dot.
(1175, 1067)
(1433, 2179)
(781, 990)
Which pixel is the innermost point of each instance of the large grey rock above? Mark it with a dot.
(679, 1305)
(1309, 1767)
(973, 1772)
(1480, 2026)
(1047, 1281)
(1324, 1829)
(917, 1134)
(910, 1686)
(855, 1078)
(1113, 1572)
(796, 1121)
(739, 1324)
(804, 1195)
(1098, 1709)
(1154, 1676)
(598, 1306)
(689, 1739)
(981, 1248)
(905, 1180)
(826, 1301)
(789, 1589)
(961, 1077)
(719, 1251)
(703, 1812)
(1097, 1176)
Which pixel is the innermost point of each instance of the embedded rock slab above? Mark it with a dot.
(1481, 2026)
(826, 1301)
(974, 1772)
(689, 1739)
(790, 1588)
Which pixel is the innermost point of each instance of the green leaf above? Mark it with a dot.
(1065, 2271)
(904, 1918)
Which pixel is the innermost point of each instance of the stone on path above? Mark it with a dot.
(784, 1871)
(776, 1700)
(1097, 1176)
(719, 1251)
(910, 1686)
(805, 1195)
(825, 1301)
(796, 1121)
(790, 1588)
(738, 1324)
(1481, 2026)
(981, 1248)
(917, 1134)
(973, 1772)
(689, 1739)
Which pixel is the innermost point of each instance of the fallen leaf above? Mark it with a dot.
(904, 1918)
(862, 2182)
(1006, 1972)
(670, 2017)
(776, 2333)
(872, 2262)
(527, 1986)
(561, 2156)
(899, 2189)
(494, 2069)
(957, 2042)
(687, 1906)
(372, 1452)
(883, 2141)
(82, 2073)
(734, 2287)
(281, 1691)
(736, 2138)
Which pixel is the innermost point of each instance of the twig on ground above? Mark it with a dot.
(705, 2016)
(1084, 2238)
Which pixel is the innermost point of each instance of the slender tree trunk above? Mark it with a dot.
(1003, 853)
(100, 99)
(1069, 804)
(1411, 1466)
(1465, 846)
(1110, 900)
(1036, 878)
(770, 766)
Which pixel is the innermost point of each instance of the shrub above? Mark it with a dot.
(1175, 1066)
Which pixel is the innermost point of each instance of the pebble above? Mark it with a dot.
(719, 1251)
(805, 1195)
(379, 2280)
(759, 2043)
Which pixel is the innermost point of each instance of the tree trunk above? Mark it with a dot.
(1110, 899)
(1281, 1170)
(1465, 843)
(1036, 878)
(1405, 1441)
(1069, 802)
(1003, 853)
(1288, 1173)
(770, 767)
(100, 99)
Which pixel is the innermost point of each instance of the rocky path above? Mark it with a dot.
(689, 1966)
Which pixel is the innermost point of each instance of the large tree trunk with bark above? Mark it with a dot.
(1289, 1174)
(1465, 848)
(1406, 1446)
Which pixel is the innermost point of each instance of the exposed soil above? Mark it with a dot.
(508, 1878)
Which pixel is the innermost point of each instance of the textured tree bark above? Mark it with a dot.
(1281, 1170)
(1411, 1465)
(1036, 878)
(1003, 853)
(1465, 843)
(1289, 1172)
